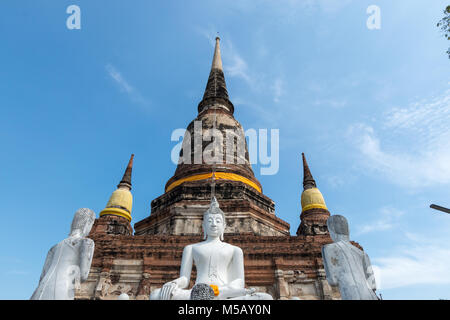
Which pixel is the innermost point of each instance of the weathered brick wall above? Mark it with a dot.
(285, 266)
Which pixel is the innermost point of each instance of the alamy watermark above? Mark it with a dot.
(74, 20)
(374, 20)
(227, 146)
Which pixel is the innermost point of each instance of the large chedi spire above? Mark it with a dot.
(314, 210)
(215, 112)
(216, 93)
(213, 161)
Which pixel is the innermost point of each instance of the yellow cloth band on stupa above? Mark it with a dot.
(218, 175)
(215, 289)
(314, 206)
(116, 212)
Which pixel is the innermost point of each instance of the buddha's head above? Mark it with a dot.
(338, 228)
(214, 221)
(82, 222)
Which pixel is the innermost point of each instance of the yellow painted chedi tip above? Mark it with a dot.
(121, 201)
(120, 204)
(312, 198)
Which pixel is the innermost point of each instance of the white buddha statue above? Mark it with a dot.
(219, 264)
(347, 266)
(68, 262)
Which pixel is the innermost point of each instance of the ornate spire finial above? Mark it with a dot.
(213, 184)
(214, 208)
(308, 180)
(214, 202)
(126, 180)
(217, 60)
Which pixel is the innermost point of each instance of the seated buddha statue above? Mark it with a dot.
(219, 264)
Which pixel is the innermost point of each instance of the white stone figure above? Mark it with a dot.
(218, 264)
(68, 262)
(347, 266)
(123, 296)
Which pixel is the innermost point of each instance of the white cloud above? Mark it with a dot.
(388, 218)
(423, 261)
(278, 89)
(335, 181)
(418, 137)
(119, 79)
(124, 86)
(334, 103)
(428, 120)
(237, 66)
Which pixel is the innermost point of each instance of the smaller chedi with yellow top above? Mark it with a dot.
(121, 200)
(314, 210)
(115, 218)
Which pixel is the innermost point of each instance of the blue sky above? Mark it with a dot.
(370, 108)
